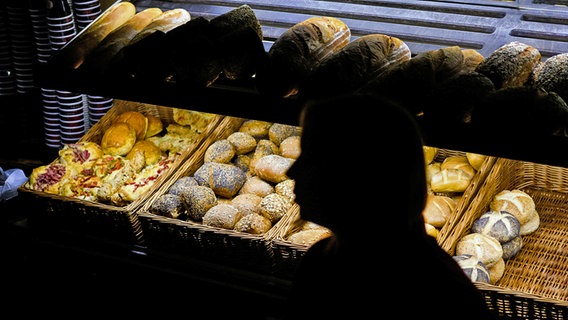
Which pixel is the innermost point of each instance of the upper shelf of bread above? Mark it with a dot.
(262, 59)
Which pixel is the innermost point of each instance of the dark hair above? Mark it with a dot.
(370, 151)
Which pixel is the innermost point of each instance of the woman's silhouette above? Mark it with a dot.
(361, 173)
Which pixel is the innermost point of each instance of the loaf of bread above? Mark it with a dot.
(486, 248)
(165, 22)
(353, 65)
(511, 65)
(99, 58)
(297, 51)
(474, 268)
(500, 225)
(75, 54)
(552, 75)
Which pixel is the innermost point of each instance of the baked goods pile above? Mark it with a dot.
(134, 150)
(242, 183)
(496, 236)
(447, 179)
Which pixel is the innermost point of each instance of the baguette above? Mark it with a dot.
(99, 58)
(297, 51)
(75, 54)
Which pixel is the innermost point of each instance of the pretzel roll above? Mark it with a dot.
(297, 51)
(511, 65)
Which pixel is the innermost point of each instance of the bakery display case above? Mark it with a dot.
(519, 157)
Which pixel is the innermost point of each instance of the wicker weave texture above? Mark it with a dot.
(102, 219)
(541, 267)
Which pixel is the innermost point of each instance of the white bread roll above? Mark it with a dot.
(500, 225)
(487, 249)
(458, 162)
(516, 202)
(531, 225)
(438, 209)
(474, 268)
(475, 159)
(429, 154)
(247, 203)
(450, 180)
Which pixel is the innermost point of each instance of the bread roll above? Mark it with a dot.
(496, 271)
(273, 168)
(553, 75)
(458, 162)
(263, 148)
(247, 203)
(76, 52)
(181, 184)
(474, 268)
(353, 65)
(286, 188)
(516, 202)
(222, 215)
(296, 53)
(274, 207)
(309, 236)
(450, 180)
(242, 141)
(500, 225)
(512, 247)
(278, 132)
(438, 209)
(256, 128)
(82, 153)
(429, 154)
(197, 200)
(148, 151)
(510, 65)
(487, 249)
(221, 151)
(291, 147)
(475, 159)
(225, 179)
(118, 139)
(253, 223)
(168, 205)
(531, 225)
(257, 186)
(98, 60)
(472, 58)
(48, 178)
(431, 230)
(155, 126)
(137, 120)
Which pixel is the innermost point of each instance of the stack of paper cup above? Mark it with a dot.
(7, 79)
(22, 45)
(85, 12)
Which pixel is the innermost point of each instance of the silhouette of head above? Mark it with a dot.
(361, 165)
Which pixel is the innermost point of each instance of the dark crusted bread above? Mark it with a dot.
(510, 65)
(552, 75)
(353, 65)
(297, 51)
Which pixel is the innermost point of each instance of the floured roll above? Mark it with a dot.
(486, 248)
(516, 202)
(475, 270)
(297, 52)
(531, 225)
(500, 225)
(496, 271)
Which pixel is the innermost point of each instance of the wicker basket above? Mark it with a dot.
(541, 267)
(239, 249)
(101, 219)
(287, 255)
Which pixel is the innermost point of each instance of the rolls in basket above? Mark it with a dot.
(226, 201)
(94, 186)
(295, 235)
(535, 280)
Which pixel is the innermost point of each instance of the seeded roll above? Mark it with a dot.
(474, 268)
